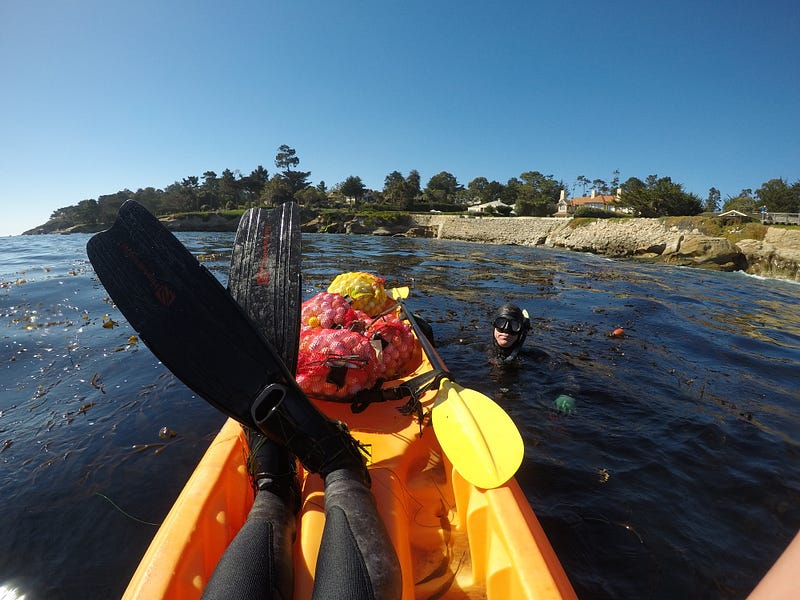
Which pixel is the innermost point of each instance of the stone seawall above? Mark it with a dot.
(522, 231)
(777, 255)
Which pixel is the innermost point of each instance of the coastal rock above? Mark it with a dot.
(778, 255)
(420, 231)
(356, 227)
(703, 251)
(615, 237)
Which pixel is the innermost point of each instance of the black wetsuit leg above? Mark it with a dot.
(356, 559)
(258, 562)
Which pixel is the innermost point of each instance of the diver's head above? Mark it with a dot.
(510, 327)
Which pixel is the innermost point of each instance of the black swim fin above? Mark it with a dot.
(265, 275)
(264, 279)
(196, 328)
(183, 313)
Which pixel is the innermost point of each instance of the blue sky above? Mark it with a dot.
(102, 95)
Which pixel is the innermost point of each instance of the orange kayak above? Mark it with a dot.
(453, 540)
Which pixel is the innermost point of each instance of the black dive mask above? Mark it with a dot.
(507, 325)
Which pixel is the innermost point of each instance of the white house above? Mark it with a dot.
(567, 207)
(482, 208)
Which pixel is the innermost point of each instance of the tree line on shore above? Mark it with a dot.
(530, 194)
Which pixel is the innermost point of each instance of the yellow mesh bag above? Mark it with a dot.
(364, 290)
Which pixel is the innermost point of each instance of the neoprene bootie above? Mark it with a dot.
(272, 469)
(285, 415)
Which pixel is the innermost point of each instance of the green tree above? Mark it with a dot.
(173, 199)
(494, 191)
(67, 216)
(294, 181)
(312, 197)
(87, 212)
(601, 186)
(511, 191)
(209, 179)
(658, 197)
(482, 190)
(252, 185)
(150, 198)
(581, 181)
(615, 180)
(504, 210)
(228, 189)
(286, 158)
(414, 187)
(537, 194)
(276, 191)
(712, 202)
(476, 189)
(109, 205)
(394, 191)
(401, 192)
(189, 192)
(353, 187)
(743, 203)
(209, 192)
(796, 190)
(778, 196)
(442, 187)
(414, 181)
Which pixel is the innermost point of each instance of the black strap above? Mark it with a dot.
(413, 389)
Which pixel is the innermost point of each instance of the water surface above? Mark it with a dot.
(675, 477)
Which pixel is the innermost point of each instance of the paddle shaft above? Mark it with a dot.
(436, 361)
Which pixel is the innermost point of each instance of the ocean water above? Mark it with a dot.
(676, 476)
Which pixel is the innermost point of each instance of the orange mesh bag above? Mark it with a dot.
(334, 364)
(364, 290)
(395, 344)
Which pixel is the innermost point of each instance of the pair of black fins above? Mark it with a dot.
(243, 365)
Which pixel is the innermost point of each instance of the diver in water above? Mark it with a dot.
(510, 328)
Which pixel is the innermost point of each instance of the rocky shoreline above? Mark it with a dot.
(776, 254)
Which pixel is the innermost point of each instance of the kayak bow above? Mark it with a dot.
(453, 539)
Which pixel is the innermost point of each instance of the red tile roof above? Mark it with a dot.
(581, 200)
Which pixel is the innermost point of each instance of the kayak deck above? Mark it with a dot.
(453, 540)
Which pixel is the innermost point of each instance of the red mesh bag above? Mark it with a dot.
(327, 311)
(334, 364)
(395, 344)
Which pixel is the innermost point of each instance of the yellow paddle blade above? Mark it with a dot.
(477, 435)
(398, 293)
